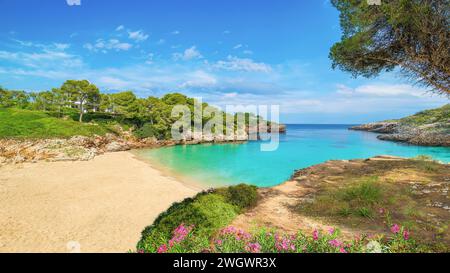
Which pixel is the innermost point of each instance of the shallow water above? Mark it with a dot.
(302, 146)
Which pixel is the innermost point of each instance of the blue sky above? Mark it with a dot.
(227, 52)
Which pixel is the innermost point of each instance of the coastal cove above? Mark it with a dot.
(215, 165)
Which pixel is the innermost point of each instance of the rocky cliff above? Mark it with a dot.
(427, 128)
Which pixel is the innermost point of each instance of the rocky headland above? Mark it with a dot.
(427, 128)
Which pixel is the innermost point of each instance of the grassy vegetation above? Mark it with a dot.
(359, 199)
(441, 115)
(20, 123)
(205, 214)
(375, 195)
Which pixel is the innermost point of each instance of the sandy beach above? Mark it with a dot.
(100, 205)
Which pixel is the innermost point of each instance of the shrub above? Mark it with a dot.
(153, 130)
(207, 212)
(242, 196)
(234, 240)
(147, 130)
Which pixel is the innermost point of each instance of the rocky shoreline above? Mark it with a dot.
(80, 148)
(13, 151)
(436, 134)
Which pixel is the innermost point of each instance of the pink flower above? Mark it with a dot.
(228, 230)
(179, 234)
(406, 234)
(242, 235)
(315, 235)
(395, 229)
(331, 231)
(219, 242)
(253, 247)
(239, 234)
(284, 244)
(335, 243)
(342, 250)
(381, 211)
(162, 249)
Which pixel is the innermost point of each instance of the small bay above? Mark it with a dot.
(302, 146)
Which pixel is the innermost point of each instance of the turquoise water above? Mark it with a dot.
(302, 146)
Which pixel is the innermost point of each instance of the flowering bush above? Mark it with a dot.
(234, 240)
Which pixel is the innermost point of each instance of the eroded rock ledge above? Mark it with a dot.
(83, 148)
(435, 134)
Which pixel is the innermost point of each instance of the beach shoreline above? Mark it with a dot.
(100, 205)
(165, 171)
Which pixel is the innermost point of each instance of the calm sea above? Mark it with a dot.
(302, 146)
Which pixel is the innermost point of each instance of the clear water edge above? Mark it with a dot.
(214, 165)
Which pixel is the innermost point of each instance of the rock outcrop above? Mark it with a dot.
(75, 148)
(85, 148)
(427, 128)
(423, 135)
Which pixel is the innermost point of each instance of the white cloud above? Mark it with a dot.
(189, 54)
(149, 58)
(175, 32)
(237, 46)
(199, 79)
(111, 44)
(51, 46)
(242, 64)
(59, 46)
(161, 41)
(381, 90)
(230, 95)
(113, 83)
(73, 2)
(43, 58)
(138, 36)
(247, 52)
(119, 28)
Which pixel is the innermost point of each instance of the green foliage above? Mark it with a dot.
(441, 115)
(18, 99)
(18, 123)
(242, 196)
(366, 192)
(410, 34)
(82, 101)
(81, 94)
(235, 240)
(358, 198)
(147, 130)
(426, 163)
(206, 213)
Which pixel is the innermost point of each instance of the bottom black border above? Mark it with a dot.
(275, 262)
